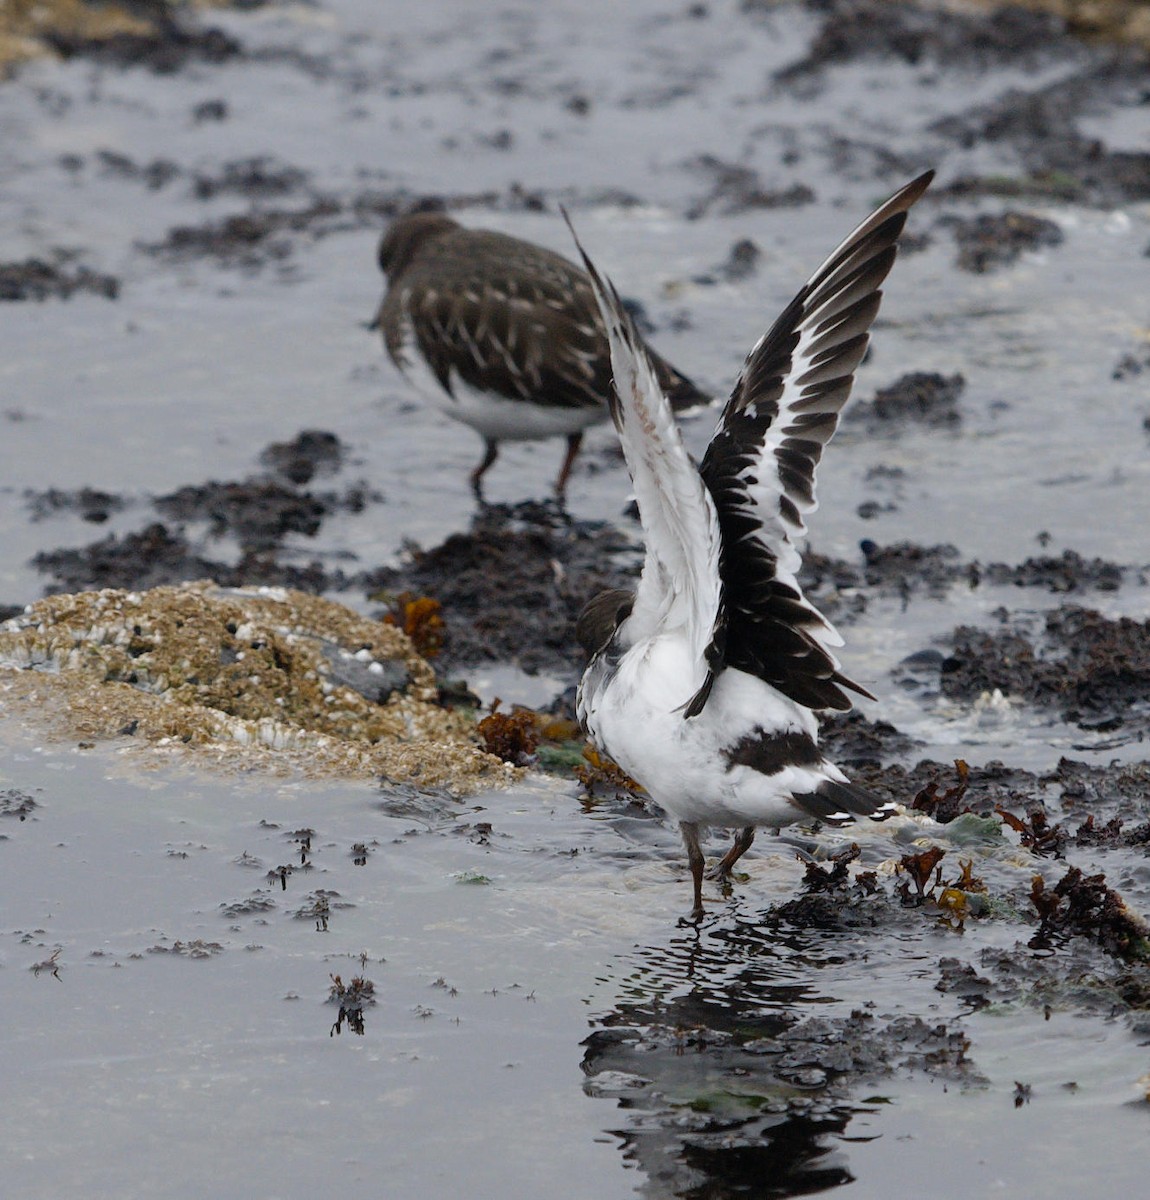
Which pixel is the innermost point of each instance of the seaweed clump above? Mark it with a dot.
(353, 998)
(1085, 905)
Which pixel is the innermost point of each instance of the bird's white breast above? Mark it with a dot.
(635, 714)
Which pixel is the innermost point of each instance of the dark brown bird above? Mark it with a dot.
(504, 335)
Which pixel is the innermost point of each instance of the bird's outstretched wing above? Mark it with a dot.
(680, 588)
(760, 465)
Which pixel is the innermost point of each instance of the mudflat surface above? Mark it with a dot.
(241, 985)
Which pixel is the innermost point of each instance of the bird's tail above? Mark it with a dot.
(836, 803)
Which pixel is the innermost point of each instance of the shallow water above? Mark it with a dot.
(162, 1074)
(169, 1029)
(150, 1072)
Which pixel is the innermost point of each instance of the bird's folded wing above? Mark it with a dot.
(760, 465)
(523, 339)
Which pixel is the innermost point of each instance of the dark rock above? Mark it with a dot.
(741, 262)
(905, 566)
(255, 178)
(170, 44)
(1068, 572)
(735, 188)
(14, 803)
(210, 110)
(153, 175)
(1130, 366)
(1059, 161)
(512, 587)
(137, 560)
(375, 680)
(960, 979)
(855, 29)
(35, 279)
(260, 514)
(157, 556)
(920, 397)
(250, 239)
(89, 503)
(310, 452)
(988, 242)
(851, 738)
(1084, 663)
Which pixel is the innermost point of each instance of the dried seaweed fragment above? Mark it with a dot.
(513, 736)
(1035, 831)
(919, 868)
(1108, 835)
(601, 772)
(949, 805)
(352, 999)
(421, 618)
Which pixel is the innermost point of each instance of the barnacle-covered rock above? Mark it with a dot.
(266, 675)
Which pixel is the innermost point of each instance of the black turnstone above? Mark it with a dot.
(504, 335)
(704, 683)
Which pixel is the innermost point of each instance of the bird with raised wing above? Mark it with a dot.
(503, 335)
(705, 682)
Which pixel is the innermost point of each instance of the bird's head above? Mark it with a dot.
(400, 244)
(601, 617)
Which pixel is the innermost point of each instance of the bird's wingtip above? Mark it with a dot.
(917, 186)
(579, 246)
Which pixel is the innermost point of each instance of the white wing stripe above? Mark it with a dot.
(680, 585)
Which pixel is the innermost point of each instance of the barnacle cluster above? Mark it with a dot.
(264, 675)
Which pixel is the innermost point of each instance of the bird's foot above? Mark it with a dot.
(725, 878)
(724, 874)
(693, 921)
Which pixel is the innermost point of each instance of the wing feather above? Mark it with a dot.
(760, 465)
(680, 587)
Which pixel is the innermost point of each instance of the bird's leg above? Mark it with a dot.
(739, 847)
(574, 441)
(491, 452)
(690, 831)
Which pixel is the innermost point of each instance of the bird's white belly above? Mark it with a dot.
(516, 420)
(683, 762)
(493, 416)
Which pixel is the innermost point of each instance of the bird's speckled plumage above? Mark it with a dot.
(506, 335)
(704, 685)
